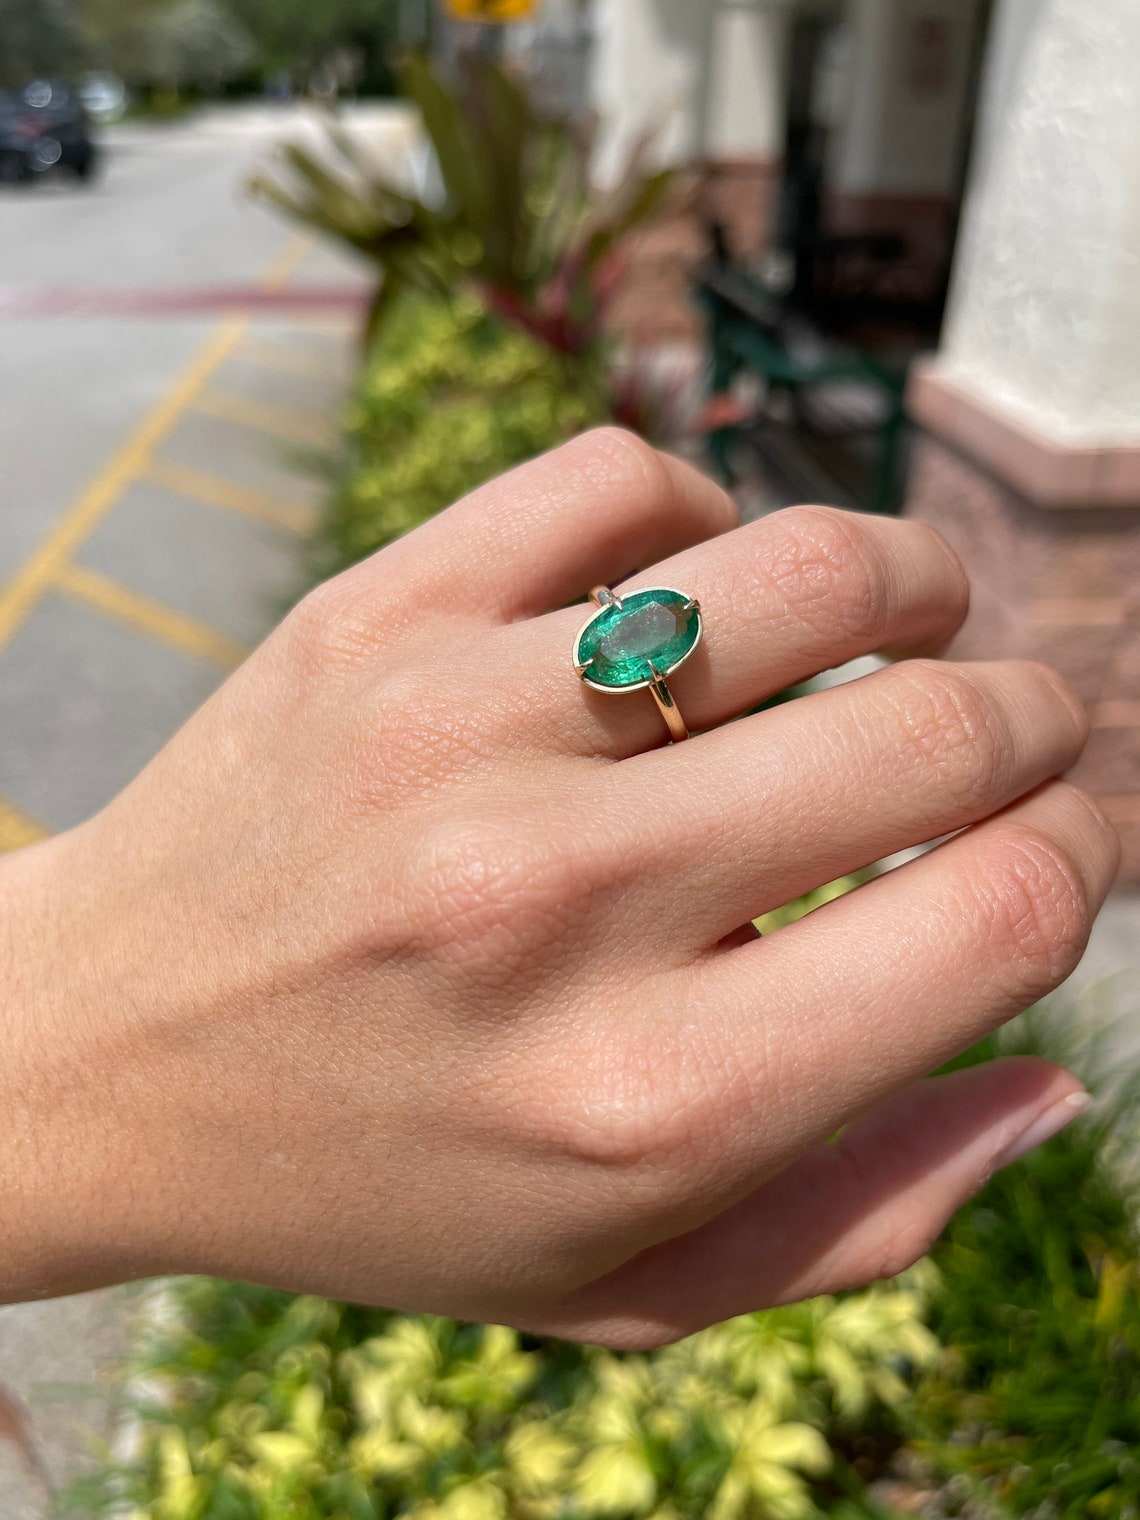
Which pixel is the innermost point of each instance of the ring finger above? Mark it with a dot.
(782, 599)
(770, 807)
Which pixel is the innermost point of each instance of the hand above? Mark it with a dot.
(411, 971)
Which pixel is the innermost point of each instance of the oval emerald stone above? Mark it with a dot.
(656, 627)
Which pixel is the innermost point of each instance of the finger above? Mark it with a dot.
(781, 599)
(845, 1213)
(763, 810)
(541, 535)
(876, 988)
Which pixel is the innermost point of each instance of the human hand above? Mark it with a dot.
(412, 972)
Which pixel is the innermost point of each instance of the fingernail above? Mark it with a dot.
(1042, 1128)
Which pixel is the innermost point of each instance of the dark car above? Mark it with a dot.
(42, 127)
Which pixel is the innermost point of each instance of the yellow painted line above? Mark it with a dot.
(149, 617)
(287, 262)
(20, 594)
(17, 829)
(37, 573)
(214, 491)
(277, 356)
(288, 424)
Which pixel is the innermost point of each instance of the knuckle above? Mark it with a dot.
(1037, 910)
(828, 570)
(631, 1106)
(330, 629)
(490, 892)
(951, 728)
(956, 583)
(625, 461)
(416, 743)
(1063, 694)
(622, 448)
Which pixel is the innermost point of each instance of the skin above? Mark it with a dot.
(413, 972)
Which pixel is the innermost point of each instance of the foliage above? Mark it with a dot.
(297, 37)
(518, 216)
(166, 45)
(38, 38)
(1038, 1402)
(451, 396)
(262, 1407)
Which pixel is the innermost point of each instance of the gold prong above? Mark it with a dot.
(602, 596)
(692, 605)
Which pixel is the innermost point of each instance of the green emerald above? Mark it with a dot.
(651, 630)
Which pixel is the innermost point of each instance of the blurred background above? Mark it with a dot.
(278, 280)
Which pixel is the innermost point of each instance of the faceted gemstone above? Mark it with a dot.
(650, 627)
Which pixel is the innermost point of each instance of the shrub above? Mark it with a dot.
(1037, 1401)
(264, 1407)
(451, 395)
(518, 217)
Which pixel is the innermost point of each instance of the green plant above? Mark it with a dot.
(519, 217)
(450, 396)
(1038, 1401)
(265, 1407)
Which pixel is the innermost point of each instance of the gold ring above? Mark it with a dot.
(636, 642)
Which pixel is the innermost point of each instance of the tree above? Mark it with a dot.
(38, 38)
(169, 43)
(298, 37)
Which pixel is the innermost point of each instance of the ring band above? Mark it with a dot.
(637, 641)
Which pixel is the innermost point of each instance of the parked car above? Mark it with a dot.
(44, 126)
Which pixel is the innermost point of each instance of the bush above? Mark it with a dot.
(450, 396)
(1036, 1403)
(271, 1407)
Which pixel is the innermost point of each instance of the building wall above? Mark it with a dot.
(909, 70)
(1045, 314)
(1028, 456)
(707, 79)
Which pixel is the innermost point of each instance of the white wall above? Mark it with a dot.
(745, 117)
(901, 139)
(1045, 313)
(708, 76)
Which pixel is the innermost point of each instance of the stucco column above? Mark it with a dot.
(1028, 456)
(1045, 314)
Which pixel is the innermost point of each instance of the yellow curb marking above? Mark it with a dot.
(292, 425)
(38, 572)
(214, 491)
(42, 568)
(139, 612)
(17, 829)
